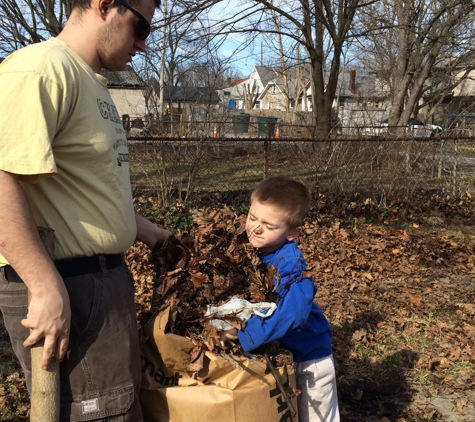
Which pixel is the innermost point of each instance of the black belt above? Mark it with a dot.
(73, 267)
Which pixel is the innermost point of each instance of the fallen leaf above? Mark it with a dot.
(358, 335)
(415, 299)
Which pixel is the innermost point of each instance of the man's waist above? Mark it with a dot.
(74, 267)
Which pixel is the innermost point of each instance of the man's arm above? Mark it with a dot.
(149, 233)
(49, 313)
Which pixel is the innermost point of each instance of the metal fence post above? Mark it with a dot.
(266, 157)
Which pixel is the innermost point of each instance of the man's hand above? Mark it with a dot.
(150, 234)
(49, 316)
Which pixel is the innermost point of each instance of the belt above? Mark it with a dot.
(74, 267)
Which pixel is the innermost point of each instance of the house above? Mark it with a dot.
(181, 100)
(229, 93)
(463, 95)
(128, 91)
(279, 95)
(250, 89)
(361, 98)
(272, 88)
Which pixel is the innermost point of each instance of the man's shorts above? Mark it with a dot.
(101, 373)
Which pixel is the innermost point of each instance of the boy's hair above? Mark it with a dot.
(86, 4)
(289, 195)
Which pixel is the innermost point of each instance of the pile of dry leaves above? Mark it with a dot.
(209, 265)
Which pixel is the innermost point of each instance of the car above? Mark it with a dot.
(414, 127)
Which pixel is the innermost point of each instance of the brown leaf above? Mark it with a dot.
(358, 394)
(415, 299)
(454, 354)
(195, 352)
(166, 283)
(461, 403)
(236, 322)
(359, 335)
(222, 284)
(368, 276)
(198, 278)
(270, 276)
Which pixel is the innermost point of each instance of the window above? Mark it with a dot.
(227, 93)
(269, 105)
(257, 106)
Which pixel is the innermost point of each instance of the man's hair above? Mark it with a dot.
(287, 194)
(86, 4)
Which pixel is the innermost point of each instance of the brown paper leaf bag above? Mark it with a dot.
(236, 390)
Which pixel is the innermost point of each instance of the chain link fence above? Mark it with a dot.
(383, 169)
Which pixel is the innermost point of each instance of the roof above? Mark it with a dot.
(124, 78)
(233, 82)
(365, 84)
(190, 94)
(266, 73)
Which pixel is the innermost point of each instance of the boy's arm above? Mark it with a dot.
(292, 311)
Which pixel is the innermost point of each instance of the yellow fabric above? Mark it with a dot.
(62, 134)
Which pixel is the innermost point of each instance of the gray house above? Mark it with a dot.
(128, 91)
(181, 100)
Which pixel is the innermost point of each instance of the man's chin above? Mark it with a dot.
(115, 67)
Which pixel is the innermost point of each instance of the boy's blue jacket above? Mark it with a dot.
(297, 322)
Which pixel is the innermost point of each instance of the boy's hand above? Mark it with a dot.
(227, 335)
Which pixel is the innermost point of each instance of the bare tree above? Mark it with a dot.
(249, 94)
(415, 48)
(321, 27)
(24, 22)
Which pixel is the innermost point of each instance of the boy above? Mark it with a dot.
(278, 208)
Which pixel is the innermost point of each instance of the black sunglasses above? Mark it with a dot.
(142, 27)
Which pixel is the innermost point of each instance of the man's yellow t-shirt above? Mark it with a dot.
(61, 133)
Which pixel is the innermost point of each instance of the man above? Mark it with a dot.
(64, 166)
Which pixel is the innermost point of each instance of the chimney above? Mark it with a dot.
(352, 80)
(229, 80)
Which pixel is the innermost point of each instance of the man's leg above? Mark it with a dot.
(14, 307)
(101, 374)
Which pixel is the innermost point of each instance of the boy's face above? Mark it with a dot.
(267, 229)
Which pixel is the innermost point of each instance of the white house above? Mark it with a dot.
(229, 93)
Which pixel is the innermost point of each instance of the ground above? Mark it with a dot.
(399, 293)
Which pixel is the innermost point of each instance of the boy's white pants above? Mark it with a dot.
(318, 401)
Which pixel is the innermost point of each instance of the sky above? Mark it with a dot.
(242, 57)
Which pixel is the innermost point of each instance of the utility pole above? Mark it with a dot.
(162, 61)
(262, 53)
